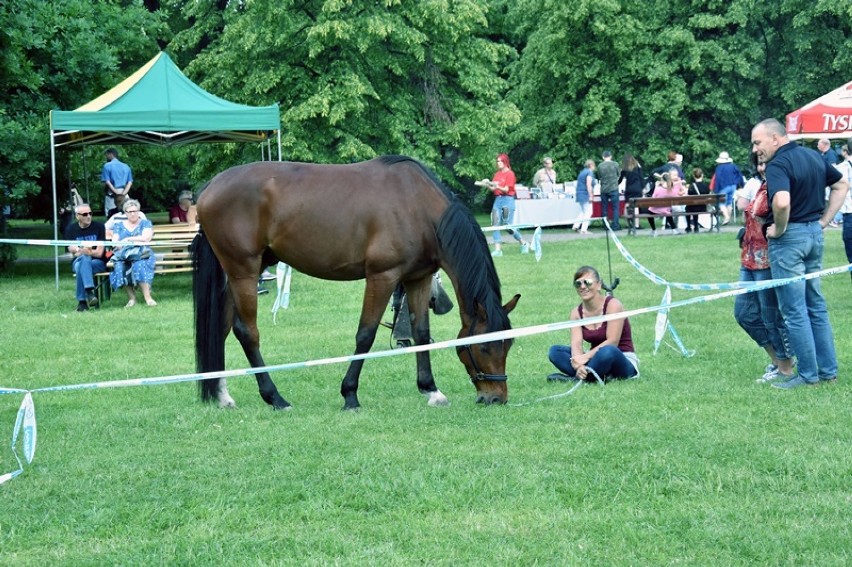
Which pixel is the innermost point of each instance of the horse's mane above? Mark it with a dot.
(466, 252)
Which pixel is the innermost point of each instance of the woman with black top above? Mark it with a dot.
(631, 174)
(697, 187)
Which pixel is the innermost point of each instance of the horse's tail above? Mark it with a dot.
(208, 291)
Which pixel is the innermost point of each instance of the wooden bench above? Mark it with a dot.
(710, 203)
(170, 245)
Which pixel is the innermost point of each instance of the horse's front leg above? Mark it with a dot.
(245, 330)
(419, 294)
(376, 296)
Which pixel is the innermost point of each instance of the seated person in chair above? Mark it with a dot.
(88, 259)
(134, 261)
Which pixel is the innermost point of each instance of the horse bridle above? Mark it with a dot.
(480, 376)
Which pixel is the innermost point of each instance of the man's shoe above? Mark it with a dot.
(81, 306)
(525, 248)
(267, 276)
(496, 253)
(828, 380)
(91, 298)
(794, 382)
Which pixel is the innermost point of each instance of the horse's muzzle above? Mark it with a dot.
(490, 388)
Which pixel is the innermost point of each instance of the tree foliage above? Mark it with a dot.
(648, 77)
(58, 55)
(451, 82)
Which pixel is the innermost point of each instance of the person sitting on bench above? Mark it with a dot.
(140, 257)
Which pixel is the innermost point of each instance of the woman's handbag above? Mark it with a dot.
(132, 254)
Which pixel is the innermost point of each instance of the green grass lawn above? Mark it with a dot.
(694, 463)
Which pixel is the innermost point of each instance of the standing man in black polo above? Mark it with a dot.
(796, 178)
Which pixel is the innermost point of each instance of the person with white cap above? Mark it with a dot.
(726, 180)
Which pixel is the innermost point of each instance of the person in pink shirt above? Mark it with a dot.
(669, 184)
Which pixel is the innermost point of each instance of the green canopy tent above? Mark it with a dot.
(157, 105)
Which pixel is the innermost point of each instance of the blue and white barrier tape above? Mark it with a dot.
(662, 281)
(105, 243)
(26, 415)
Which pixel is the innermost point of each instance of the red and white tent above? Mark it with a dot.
(829, 116)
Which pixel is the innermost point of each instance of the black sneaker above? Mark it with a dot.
(560, 377)
(81, 306)
(91, 298)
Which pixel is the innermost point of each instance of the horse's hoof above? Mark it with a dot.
(227, 403)
(350, 408)
(286, 407)
(436, 398)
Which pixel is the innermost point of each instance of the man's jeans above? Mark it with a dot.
(759, 316)
(797, 252)
(607, 200)
(86, 267)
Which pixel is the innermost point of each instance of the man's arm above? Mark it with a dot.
(835, 200)
(781, 214)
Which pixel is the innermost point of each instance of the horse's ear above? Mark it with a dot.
(481, 313)
(512, 304)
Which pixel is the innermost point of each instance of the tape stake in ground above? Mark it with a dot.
(662, 319)
(25, 425)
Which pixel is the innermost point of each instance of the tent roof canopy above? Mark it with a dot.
(158, 104)
(829, 116)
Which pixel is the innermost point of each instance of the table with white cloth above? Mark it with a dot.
(546, 211)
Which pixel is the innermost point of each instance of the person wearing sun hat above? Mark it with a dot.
(728, 178)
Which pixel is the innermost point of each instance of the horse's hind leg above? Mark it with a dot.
(419, 295)
(245, 330)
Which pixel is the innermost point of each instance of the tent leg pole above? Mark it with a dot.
(55, 208)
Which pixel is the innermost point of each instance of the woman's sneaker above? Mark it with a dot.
(770, 374)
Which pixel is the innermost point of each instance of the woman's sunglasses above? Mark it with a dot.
(586, 282)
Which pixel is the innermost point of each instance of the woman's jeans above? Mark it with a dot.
(503, 212)
(586, 210)
(758, 314)
(608, 362)
(798, 252)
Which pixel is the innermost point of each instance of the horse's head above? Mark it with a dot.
(486, 362)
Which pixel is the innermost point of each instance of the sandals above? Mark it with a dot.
(150, 302)
(130, 304)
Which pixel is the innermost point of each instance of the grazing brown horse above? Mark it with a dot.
(388, 220)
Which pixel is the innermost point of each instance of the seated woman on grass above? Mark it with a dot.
(611, 354)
